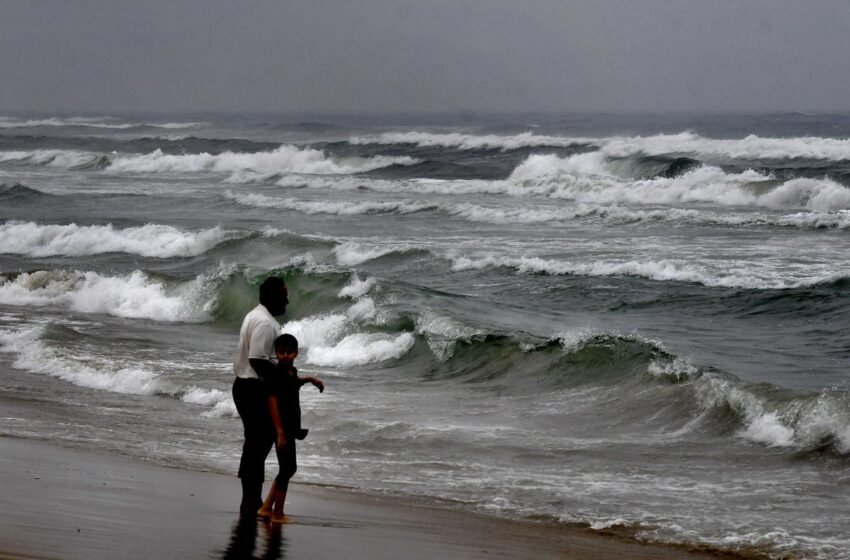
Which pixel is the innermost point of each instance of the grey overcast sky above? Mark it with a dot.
(424, 55)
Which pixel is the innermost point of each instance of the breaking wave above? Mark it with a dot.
(723, 275)
(152, 240)
(352, 254)
(615, 214)
(32, 353)
(243, 166)
(336, 207)
(249, 166)
(472, 142)
(756, 413)
(763, 415)
(136, 295)
(590, 178)
(751, 147)
(90, 122)
(63, 159)
(612, 213)
(587, 178)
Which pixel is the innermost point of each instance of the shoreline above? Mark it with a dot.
(67, 503)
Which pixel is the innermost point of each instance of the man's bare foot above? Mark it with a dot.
(278, 519)
(264, 513)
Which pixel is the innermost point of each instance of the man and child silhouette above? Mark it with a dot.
(266, 394)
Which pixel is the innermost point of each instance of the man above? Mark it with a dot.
(252, 363)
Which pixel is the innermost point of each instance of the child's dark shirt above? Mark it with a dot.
(285, 385)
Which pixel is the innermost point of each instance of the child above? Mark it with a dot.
(285, 409)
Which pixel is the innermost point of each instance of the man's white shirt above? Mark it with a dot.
(256, 340)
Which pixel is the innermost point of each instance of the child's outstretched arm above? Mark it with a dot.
(280, 439)
(314, 380)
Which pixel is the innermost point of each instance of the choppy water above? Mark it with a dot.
(620, 320)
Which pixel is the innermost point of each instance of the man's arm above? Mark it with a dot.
(261, 351)
(280, 440)
(263, 367)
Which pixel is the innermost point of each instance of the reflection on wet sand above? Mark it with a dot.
(243, 540)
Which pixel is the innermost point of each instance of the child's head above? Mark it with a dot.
(286, 348)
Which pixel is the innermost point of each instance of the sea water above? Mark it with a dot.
(616, 320)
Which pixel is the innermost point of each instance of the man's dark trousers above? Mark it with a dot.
(251, 401)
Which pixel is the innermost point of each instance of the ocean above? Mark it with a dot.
(638, 322)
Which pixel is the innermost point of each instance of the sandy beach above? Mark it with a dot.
(62, 503)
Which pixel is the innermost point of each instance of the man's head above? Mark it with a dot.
(273, 295)
(286, 348)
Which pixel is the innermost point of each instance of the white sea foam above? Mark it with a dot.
(478, 213)
(33, 355)
(335, 340)
(839, 219)
(572, 341)
(89, 122)
(661, 270)
(760, 425)
(220, 402)
(443, 333)
(616, 214)
(609, 523)
(814, 194)
(549, 168)
(361, 349)
(364, 309)
(750, 147)
(37, 240)
(322, 330)
(14, 156)
(353, 254)
(224, 407)
(802, 423)
(418, 186)
(433, 324)
(471, 212)
(63, 159)
(608, 213)
(242, 167)
(827, 416)
(357, 288)
(586, 178)
(766, 428)
(676, 370)
(470, 141)
(208, 397)
(328, 330)
(800, 193)
(134, 295)
(335, 207)
(285, 159)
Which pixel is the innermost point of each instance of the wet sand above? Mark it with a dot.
(62, 503)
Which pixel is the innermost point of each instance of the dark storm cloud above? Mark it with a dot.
(426, 55)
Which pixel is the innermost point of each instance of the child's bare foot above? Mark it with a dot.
(264, 513)
(278, 519)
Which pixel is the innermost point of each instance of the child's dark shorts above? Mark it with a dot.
(286, 461)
